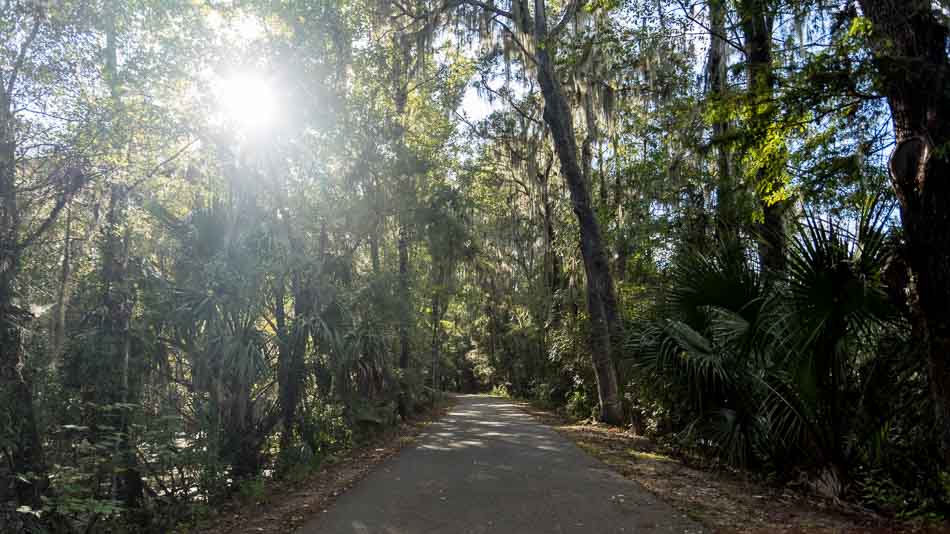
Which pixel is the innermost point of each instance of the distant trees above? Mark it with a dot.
(526, 34)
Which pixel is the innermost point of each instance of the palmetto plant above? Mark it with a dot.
(838, 310)
(771, 372)
(711, 345)
(216, 307)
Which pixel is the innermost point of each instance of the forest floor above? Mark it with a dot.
(724, 501)
(281, 507)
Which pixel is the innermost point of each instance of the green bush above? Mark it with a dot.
(501, 390)
(581, 405)
(545, 393)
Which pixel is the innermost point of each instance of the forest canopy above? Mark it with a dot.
(237, 238)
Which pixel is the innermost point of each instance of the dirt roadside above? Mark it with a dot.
(723, 501)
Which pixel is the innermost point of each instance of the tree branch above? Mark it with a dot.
(162, 164)
(569, 12)
(725, 38)
(514, 37)
(476, 3)
(21, 58)
(51, 218)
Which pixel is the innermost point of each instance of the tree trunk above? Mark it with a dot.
(757, 31)
(405, 318)
(399, 76)
(117, 297)
(404, 297)
(26, 478)
(606, 327)
(73, 251)
(435, 340)
(914, 73)
(294, 337)
(115, 338)
(377, 223)
(727, 217)
(283, 364)
(58, 326)
(552, 262)
(294, 364)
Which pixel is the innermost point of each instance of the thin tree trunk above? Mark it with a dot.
(72, 252)
(117, 294)
(297, 350)
(115, 336)
(552, 262)
(622, 244)
(911, 57)
(377, 225)
(294, 337)
(439, 307)
(435, 341)
(601, 301)
(404, 296)
(58, 327)
(283, 364)
(400, 74)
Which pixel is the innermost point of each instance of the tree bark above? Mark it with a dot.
(436, 318)
(283, 364)
(26, 478)
(115, 338)
(552, 261)
(757, 31)
(74, 250)
(400, 75)
(117, 294)
(377, 225)
(404, 297)
(294, 364)
(605, 322)
(910, 52)
(294, 337)
(727, 217)
(58, 326)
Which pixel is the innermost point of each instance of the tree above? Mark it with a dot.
(756, 23)
(909, 44)
(529, 29)
(30, 29)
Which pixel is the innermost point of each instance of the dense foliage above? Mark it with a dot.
(238, 238)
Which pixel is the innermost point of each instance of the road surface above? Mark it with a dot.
(487, 467)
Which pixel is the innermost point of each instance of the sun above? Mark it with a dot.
(247, 101)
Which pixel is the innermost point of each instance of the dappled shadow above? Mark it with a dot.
(490, 423)
(487, 466)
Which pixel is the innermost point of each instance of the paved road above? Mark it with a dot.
(488, 467)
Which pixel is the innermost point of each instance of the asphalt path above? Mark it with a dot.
(488, 467)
